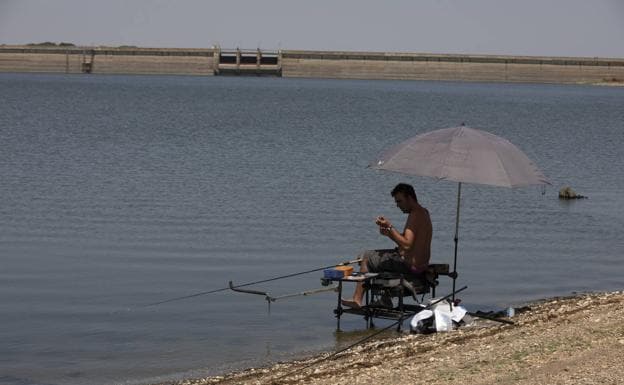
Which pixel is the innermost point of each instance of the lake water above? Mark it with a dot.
(119, 191)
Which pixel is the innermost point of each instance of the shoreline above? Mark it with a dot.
(609, 84)
(563, 340)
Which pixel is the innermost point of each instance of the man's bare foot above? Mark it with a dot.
(350, 303)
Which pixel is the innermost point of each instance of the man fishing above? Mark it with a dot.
(411, 256)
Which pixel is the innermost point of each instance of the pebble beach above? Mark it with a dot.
(572, 340)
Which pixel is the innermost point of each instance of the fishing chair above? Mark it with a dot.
(381, 289)
(391, 285)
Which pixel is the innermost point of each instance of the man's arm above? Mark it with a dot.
(406, 240)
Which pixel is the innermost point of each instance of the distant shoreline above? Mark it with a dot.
(560, 340)
(312, 64)
(609, 84)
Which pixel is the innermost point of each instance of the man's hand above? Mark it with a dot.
(385, 227)
(385, 231)
(383, 222)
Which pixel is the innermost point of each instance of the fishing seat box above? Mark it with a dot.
(390, 283)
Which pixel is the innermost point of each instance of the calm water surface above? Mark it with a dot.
(120, 191)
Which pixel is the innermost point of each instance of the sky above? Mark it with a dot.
(591, 28)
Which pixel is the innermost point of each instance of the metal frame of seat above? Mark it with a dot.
(391, 285)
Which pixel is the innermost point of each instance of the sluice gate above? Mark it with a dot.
(240, 62)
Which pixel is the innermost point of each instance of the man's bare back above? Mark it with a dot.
(418, 222)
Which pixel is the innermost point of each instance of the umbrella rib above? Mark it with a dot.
(498, 159)
(444, 167)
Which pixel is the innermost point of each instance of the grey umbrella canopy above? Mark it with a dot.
(464, 155)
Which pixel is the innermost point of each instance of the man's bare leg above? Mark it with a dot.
(358, 295)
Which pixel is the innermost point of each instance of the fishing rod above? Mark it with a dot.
(491, 318)
(400, 320)
(269, 298)
(230, 287)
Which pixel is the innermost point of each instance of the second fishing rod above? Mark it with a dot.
(193, 295)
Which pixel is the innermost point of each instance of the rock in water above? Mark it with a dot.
(567, 193)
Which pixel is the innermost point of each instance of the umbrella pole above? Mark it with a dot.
(456, 239)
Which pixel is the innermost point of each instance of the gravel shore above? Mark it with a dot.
(576, 340)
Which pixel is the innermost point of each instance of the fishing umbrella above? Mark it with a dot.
(463, 155)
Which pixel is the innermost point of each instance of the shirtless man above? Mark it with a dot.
(411, 256)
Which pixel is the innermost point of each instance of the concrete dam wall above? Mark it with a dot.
(107, 60)
(407, 66)
(311, 64)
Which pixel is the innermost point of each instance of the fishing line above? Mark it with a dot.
(242, 285)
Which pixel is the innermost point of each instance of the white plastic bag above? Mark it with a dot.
(443, 320)
(421, 322)
(458, 313)
(443, 317)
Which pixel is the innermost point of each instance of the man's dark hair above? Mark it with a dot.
(405, 189)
